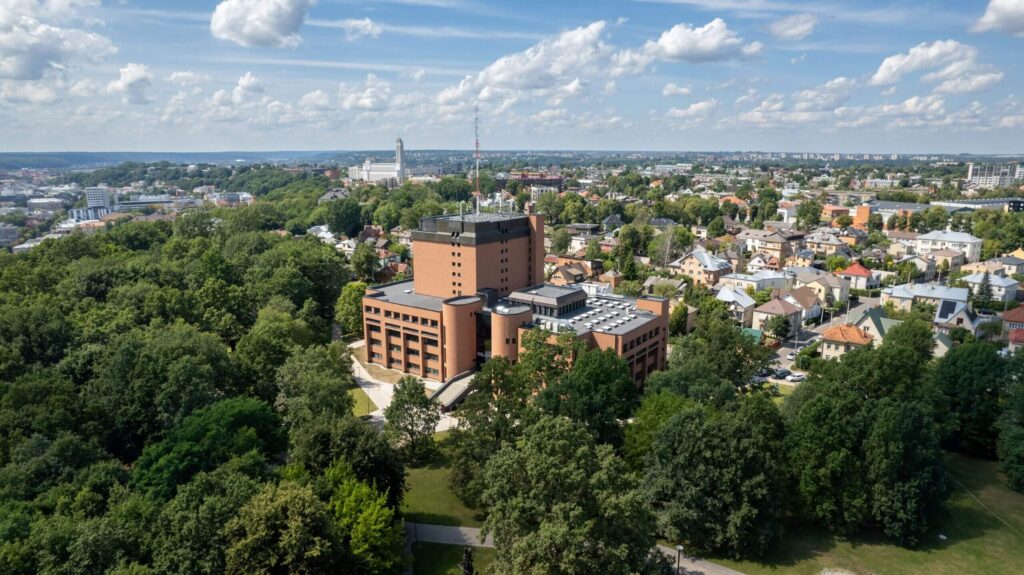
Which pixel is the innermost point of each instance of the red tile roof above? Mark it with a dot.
(847, 333)
(855, 269)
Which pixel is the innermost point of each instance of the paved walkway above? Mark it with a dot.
(382, 392)
(470, 536)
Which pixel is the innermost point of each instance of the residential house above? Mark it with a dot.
(942, 240)
(768, 242)
(654, 281)
(807, 300)
(852, 236)
(777, 308)
(951, 314)
(952, 259)
(579, 243)
(1013, 320)
(925, 265)
(1014, 341)
(612, 277)
(1012, 265)
(1004, 289)
(568, 275)
(905, 295)
(612, 223)
(837, 340)
(763, 262)
(832, 290)
(802, 258)
(756, 281)
(740, 305)
(859, 276)
(662, 223)
(990, 266)
(705, 268)
(1004, 265)
(608, 245)
(875, 324)
(823, 243)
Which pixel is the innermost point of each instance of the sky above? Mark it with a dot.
(901, 76)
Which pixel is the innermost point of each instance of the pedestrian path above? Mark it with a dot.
(470, 536)
(381, 393)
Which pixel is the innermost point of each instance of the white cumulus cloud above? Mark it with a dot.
(1002, 15)
(955, 69)
(359, 28)
(795, 27)
(923, 56)
(260, 22)
(551, 69)
(671, 89)
(37, 38)
(187, 78)
(700, 109)
(711, 42)
(132, 84)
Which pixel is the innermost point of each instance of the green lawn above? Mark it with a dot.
(363, 404)
(430, 500)
(976, 540)
(439, 559)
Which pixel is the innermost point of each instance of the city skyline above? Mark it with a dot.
(911, 77)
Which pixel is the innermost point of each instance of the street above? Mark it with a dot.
(809, 334)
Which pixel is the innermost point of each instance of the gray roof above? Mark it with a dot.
(931, 291)
(740, 298)
(993, 279)
(402, 293)
(943, 236)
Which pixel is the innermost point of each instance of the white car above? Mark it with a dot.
(796, 377)
(791, 355)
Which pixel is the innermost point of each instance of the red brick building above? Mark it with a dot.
(478, 284)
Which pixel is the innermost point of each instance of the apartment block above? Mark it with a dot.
(479, 285)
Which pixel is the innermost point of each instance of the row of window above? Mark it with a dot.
(402, 316)
(640, 339)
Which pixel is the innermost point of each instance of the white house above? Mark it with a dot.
(943, 240)
(1003, 288)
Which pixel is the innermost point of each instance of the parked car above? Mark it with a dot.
(796, 377)
(782, 373)
(791, 355)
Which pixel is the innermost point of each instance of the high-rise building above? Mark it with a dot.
(994, 175)
(98, 197)
(479, 285)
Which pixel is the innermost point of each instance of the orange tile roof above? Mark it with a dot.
(855, 269)
(847, 333)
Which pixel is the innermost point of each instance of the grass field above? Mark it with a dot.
(977, 541)
(438, 559)
(429, 499)
(363, 404)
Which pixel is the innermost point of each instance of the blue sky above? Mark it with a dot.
(781, 75)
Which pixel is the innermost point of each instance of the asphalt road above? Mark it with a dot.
(808, 335)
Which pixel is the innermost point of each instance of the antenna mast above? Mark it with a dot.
(476, 133)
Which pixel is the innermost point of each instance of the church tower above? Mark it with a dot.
(400, 160)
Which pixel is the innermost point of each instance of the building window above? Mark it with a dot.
(394, 347)
(374, 341)
(375, 355)
(374, 329)
(431, 371)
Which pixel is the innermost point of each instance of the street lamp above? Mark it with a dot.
(679, 557)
